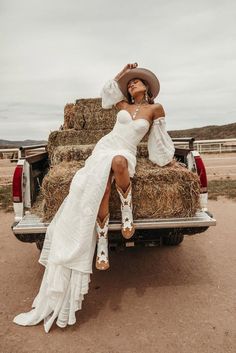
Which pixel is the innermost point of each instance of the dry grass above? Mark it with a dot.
(73, 137)
(82, 152)
(6, 197)
(222, 187)
(56, 185)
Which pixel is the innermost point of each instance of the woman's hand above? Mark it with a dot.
(130, 66)
(127, 67)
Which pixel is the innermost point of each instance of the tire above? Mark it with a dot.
(39, 244)
(173, 239)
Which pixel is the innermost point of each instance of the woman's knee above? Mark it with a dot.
(119, 163)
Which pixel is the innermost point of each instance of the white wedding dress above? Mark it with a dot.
(70, 240)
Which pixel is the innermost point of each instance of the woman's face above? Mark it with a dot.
(136, 86)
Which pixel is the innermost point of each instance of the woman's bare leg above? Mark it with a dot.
(104, 205)
(120, 169)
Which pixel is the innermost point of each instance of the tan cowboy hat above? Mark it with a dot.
(143, 74)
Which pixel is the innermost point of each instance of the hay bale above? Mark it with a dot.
(161, 192)
(88, 114)
(71, 153)
(82, 152)
(73, 137)
(38, 205)
(170, 191)
(92, 114)
(142, 150)
(68, 116)
(56, 185)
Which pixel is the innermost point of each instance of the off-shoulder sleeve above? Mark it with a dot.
(111, 94)
(160, 145)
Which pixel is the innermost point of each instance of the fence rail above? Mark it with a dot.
(202, 146)
(16, 153)
(212, 146)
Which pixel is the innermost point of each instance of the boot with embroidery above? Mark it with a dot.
(102, 261)
(128, 228)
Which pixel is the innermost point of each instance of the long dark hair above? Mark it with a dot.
(149, 93)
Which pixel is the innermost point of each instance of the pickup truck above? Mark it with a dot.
(28, 227)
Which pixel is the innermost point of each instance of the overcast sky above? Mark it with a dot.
(54, 52)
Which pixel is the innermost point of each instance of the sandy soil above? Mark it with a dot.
(162, 300)
(220, 165)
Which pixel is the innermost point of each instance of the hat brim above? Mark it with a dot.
(143, 74)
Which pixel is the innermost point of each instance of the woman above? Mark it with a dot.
(81, 221)
(139, 94)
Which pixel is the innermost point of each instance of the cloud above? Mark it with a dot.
(56, 53)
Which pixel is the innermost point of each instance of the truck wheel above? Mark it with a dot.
(173, 239)
(39, 244)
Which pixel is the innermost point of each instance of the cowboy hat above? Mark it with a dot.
(143, 74)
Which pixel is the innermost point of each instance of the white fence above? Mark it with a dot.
(202, 146)
(218, 146)
(211, 146)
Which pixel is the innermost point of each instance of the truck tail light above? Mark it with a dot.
(17, 184)
(201, 170)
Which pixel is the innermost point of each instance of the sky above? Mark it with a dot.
(54, 52)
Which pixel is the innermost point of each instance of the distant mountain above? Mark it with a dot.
(15, 144)
(210, 132)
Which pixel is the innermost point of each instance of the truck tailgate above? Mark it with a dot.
(31, 223)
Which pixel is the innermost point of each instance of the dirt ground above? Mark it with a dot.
(164, 299)
(220, 165)
(6, 171)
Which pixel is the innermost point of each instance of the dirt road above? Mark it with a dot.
(220, 165)
(163, 300)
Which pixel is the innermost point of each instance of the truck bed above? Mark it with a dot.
(29, 226)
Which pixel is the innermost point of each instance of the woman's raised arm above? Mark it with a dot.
(127, 67)
(111, 93)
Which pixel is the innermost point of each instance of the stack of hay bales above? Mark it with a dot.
(170, 191)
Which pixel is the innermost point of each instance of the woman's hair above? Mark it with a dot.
(149, 93)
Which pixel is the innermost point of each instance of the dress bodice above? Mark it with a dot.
(132, 130)
(160, 146)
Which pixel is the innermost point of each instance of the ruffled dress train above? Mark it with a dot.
(70, 240)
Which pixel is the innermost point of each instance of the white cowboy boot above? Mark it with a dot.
(128, 228)
(102, 261)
